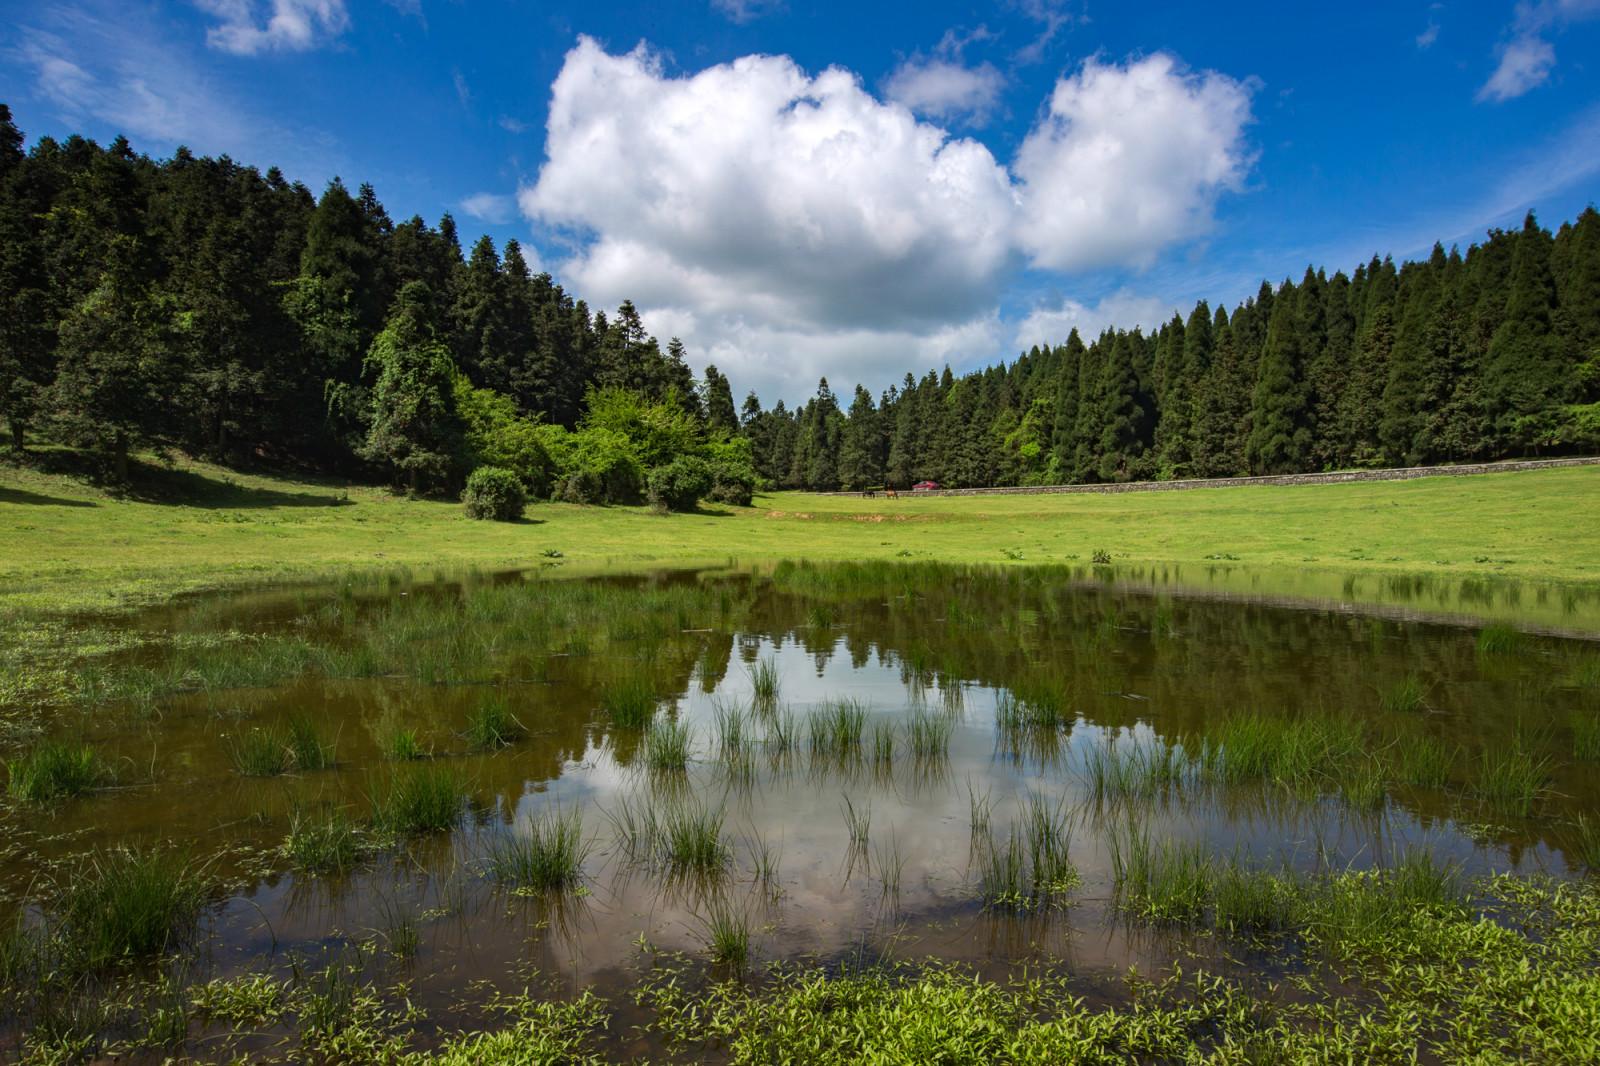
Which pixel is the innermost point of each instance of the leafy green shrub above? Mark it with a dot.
(496, 435)
(732, 483)
(494, 492)
(680, 484)
(594, 465)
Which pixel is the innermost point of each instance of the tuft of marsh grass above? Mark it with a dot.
(260, 752)
(891, 868)
(129, 903)
(426, 798)
(764, 681)
(1031, 866)
(401, 743)
(980, 813)
(858, 820)
(733, 737)
(630, 702)
(1146, 771)
(1362, 785)
(1424, 761)
(782, 733)
(928, 735)
(1512, 779)
(492, 726)
(327, 842)
(308, 749)
(882, 745)
(1586, 737)
(1499, 640)
(666, 745)
(836, 728)
(1166, 883)
(1002, 871)
(1253, 901)
(54, 770)
(1586, 839)
(547, 857)
(1288, 751)
(727, 933)
(691, 839)
(1406, 696)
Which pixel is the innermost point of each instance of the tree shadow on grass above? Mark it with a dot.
(9, 495)
(160, 485)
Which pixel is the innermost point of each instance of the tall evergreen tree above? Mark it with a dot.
(414, 428)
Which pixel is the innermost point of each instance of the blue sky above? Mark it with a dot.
(856, 190)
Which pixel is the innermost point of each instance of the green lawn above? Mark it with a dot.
(65, 545)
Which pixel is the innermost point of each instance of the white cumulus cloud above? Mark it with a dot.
(247, 27)
(788, 225)
(1128, 159)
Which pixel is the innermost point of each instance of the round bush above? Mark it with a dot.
(733, 483)
(680, 484)
(494, 492)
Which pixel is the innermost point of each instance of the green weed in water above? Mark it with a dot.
(492, 726)
(666, 745)
(858, 820)
(1586, 737)
(262, 751)
(1511, 779)
(836, 728)
(1362, 785)
(401, 743)
(727, 934)
(1423, 761)
(426, 798)
(691, 839)
(1499, 640)
(128, 903)
(307, 747)
(764, 681)
(328, 842)
(928, 735)
(54, 770)
(630, 703)
(1406, 696)
(547, 856)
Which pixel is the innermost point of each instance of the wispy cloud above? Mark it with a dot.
(1527, 56)
(107, 66)
(1052, 16)
(286, 26)
(494, 208)
(944, 86)
(463, 90)
(742, 11)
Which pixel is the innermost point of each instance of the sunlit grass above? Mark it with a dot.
(547, 855)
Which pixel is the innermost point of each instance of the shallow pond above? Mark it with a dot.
(873, 756)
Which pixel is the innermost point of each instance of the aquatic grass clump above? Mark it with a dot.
(401, 743)
(1291, 751)
(858, 820)
(54, 770)
(1586, 840)
(261, 752)
(308, 749)
(1144, 772)
(691, 839)
(1586, 737)
(1424, 761)
(764, 682)
(1499, 640)
(1244, 900)
(928, 735)
(630, 702)
(547, 857)
(329, 842)
(666, 745)
(1167, 883)
(129, 903)
(1406, 696)
(427, 798)
(733, 736)
(727, 934)
(1511, 779)
(1363, 785)
(882, 746)
(492, 726)
(1031, 866)
(836, 728)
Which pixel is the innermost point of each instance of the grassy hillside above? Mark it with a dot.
(67, 545)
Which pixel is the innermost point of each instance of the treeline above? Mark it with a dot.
(1489, 354)
(199, 304)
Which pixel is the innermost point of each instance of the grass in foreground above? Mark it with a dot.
(53, 771)
(547, 856)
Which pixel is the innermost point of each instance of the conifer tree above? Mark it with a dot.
(413, 428)
(1280, 436)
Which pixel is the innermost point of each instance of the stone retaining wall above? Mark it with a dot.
(1404, 473)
